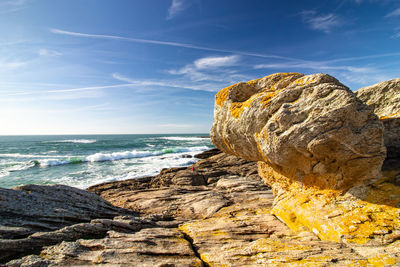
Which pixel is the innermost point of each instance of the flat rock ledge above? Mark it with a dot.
(320, 148)
(217, 212)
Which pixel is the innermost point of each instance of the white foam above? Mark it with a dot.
(182, 138)
(77, 141)
(52, 162)
(98, 157)
(15, 166)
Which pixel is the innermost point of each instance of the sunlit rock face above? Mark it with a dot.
(310, 129)
(384, 98)
(320, 148)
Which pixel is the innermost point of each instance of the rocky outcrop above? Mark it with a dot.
(384, 98)
(225, 222)
(29, 210)
(301, 127)
(321, 150)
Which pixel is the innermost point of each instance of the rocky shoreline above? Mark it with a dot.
(319, 190)
(215, 212)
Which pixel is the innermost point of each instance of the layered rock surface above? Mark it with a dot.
(384, 98)
(321, 150)
(310, 128)
(31, 209)
(181, 227)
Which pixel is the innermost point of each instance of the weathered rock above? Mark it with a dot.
(31, 209)
(384, 98)
(189, 192)
(241, 232)
(301, 126)
(247, 234)
(124, 241)
(207, 153)
(323, 164)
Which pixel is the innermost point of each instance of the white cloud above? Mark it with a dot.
(167, 43)
(394, 13)
(319, 22)
(208, 87)
(177, 6)
(11, 6)
(16, 2)
(211, 69)
(312, 65)
(396, 35)
(48, 53)
(215, 62)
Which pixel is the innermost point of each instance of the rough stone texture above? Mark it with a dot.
(31, 209)
(124, 241)
(384, 98)
(242, 232)
(321, 151)
(188, 192)
(302, 127)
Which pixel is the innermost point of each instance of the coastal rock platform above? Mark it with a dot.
(226, 220)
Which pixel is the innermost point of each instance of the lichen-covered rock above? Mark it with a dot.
(183, 226)
(384, 98)
(321, 150)
(310, 128)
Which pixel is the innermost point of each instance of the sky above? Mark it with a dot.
(154, 66)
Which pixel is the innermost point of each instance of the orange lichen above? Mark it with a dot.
(304, 81)
(391, 116)
(222, 95)
(265, 95)
(337, 218)
(237, 108)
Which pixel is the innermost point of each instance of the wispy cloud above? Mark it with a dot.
(10, 65)
(167, 43)
(313, 66)
(208, 87)
(394, 13)
(11, 6)
(71, 90)
(216, 62)
(325, 23)
(210, 69)
(16, 2)
(48, 53)
(177, 6)
(397, 34)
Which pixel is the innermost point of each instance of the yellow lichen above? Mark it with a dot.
(383, 260)
(267, 245)
(326, 214)
(391, 116)
(222, 95)
(304, 81)
(265, 95)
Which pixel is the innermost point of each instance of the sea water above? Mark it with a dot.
(85, 160)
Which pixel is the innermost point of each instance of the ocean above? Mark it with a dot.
(85, 160)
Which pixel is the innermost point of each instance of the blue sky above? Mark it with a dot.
(154, 66)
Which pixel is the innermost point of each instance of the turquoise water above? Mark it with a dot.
(85, 160)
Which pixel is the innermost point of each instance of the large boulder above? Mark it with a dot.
(321, 150)
(384, 98)
(310, 129)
